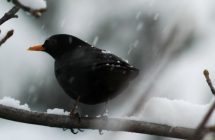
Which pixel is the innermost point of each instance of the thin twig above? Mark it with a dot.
(198, 134)
(7, 16)
(6, 37)
(10, 14)
(207, 77)
(34, 12)
(112, 124)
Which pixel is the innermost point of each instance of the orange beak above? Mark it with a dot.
(36, 48)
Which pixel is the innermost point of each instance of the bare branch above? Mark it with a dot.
(7, 16)
(198, 134)
(112, 124)
(10, 14)
(207, 77)
(34, 12)
(6, 37)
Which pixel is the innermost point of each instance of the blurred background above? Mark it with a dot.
(170, 41)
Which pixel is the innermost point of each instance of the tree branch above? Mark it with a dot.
(10, 14)
(112, 124)
(6, 37)
(34, 12)
(7, 16)
(209, 82)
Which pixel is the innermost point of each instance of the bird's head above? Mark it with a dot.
(57, 45)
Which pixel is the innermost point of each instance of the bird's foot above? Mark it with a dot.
(76, 116)
(74, 113)
(104, 116)
(105, 113)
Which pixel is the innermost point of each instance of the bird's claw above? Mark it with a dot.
(75, 116)
(74, 113)
(77, 131)
(74, 131)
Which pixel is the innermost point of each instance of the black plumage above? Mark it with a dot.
(85, 71)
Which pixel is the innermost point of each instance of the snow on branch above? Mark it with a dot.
(34, 7)
(112, 124)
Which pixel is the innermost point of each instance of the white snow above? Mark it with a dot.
(43, 26)
(156, 16)
(31, 89)
(95, 41)
(63, 21)
(105, 51)
(8, 101)
(98, 116)
(126, 60)
(175, 112)
(136, 43)
(34, 4)
(133, 46)
(57, 111)
(138, 15)
(139, 26)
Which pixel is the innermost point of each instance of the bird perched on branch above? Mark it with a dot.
(85, 72)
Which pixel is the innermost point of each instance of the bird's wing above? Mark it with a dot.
(110, 62)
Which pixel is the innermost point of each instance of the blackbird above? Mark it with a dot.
(83, 71)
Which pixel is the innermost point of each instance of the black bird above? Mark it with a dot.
(86, 72)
